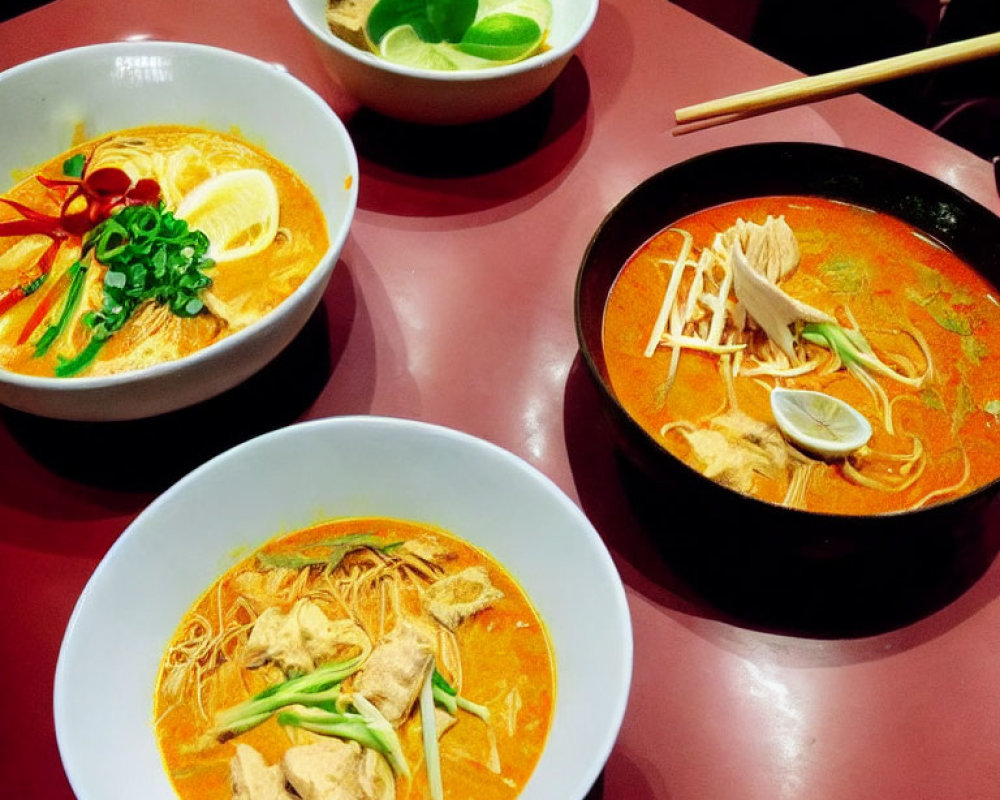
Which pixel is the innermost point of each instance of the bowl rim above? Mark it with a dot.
(532, 63)
(317, 275)
(615, 698)
(774, 149)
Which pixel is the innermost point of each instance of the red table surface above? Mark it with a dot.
(453, 303)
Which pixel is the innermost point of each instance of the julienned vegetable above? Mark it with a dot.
(318, 688)
(321, 689)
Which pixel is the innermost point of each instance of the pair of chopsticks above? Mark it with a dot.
(831, 84)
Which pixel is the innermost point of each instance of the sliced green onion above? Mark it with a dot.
(71, 366)
(78, 276)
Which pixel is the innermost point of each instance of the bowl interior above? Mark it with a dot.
(296, 477)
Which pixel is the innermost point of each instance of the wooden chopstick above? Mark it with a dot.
(841, 81)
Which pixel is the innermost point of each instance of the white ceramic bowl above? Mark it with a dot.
(122, 85)
(295, 477)
(436, 97)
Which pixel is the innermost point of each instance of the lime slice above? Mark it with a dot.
(819, 423)
(506, 31)
(502, 38)
(237, 211)
(538, 10)
(402, 45)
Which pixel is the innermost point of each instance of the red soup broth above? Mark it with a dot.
(885, 272)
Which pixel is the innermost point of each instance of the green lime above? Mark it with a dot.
(819, 423)
(403, 46)
(502, 37)
(538, 10)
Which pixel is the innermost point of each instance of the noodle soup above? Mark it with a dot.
(145, 246)
(809, 294)
(319, 663)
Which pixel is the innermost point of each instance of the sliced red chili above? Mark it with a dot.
(107, 182)
(12, 298)
(103, 191)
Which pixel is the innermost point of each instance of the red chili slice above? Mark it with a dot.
(107, 182)
(103, 191)
(12, 298)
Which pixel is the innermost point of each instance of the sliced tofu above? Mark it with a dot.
(253, 779)
(429, 548)
(457, 597)
(302, 639)
(392, 676)
(335, 769)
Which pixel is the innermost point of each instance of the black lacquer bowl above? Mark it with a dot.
(840, 557)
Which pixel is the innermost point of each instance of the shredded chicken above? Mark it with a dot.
(736, 447)
(771, 308)
(771, 247)
(346, 19)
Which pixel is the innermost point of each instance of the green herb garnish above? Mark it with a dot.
(78, 276)
(320, 688)
(501, 37)
(333, 552)
(447, 696)
(73, 167)
(150, 255)
(500, 31)
(433, 20)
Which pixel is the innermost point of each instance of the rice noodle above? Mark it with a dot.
(945, 490)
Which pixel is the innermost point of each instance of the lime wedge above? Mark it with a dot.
(237, 211)
(402, 45)
(538, 10)
(819, 423)
(502, 38)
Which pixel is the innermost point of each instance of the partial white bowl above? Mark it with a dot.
(444, 97)
(293, 478)
(107, 87)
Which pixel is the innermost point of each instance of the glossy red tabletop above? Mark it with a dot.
(453, 303)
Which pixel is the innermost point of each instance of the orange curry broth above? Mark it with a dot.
(255, 284)
(502, 647)
(874, 264)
